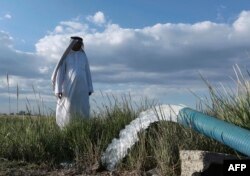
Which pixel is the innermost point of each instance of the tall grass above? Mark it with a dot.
(8, 85)
(231, 103)
(17, 98)
(39, 140)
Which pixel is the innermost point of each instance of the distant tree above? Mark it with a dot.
(21, 113)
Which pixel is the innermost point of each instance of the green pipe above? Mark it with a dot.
(224, 132)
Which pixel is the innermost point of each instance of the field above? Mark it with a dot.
(37, 146)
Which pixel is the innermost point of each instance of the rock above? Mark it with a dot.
(198, 163)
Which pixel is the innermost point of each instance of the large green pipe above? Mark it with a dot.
(224, 132)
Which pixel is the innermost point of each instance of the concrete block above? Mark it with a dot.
(198, 163)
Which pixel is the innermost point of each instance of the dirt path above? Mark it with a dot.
(18, 168)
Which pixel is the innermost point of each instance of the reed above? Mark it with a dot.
(17, 98)
(8, 86)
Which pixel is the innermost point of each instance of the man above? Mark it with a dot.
(72, 83)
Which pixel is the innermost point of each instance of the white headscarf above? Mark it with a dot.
(66, 52)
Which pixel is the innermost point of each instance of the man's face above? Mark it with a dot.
(77, 46)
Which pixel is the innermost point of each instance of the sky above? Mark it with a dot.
(142, 48)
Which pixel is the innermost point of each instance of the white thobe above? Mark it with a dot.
(74, 81)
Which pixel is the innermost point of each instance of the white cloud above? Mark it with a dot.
(73, 26)
(23, 68)
(163, 53)
(5, 39)
(43, 70)
(98, 18)
(68, 27)
(58, 29)
(157, 58)
(7, 16)
(242, 24)
(53, 45)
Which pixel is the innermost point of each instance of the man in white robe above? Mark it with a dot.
(72, 83)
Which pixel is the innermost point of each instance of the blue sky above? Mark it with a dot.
(143, 47)
(32, 19)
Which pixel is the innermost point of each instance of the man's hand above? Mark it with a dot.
(59, 95)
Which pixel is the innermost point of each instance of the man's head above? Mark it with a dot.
(78, 45)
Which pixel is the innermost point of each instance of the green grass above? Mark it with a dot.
(39, 140)
(230, 103)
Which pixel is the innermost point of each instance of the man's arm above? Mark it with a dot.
(88, 75)
(59, 80)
